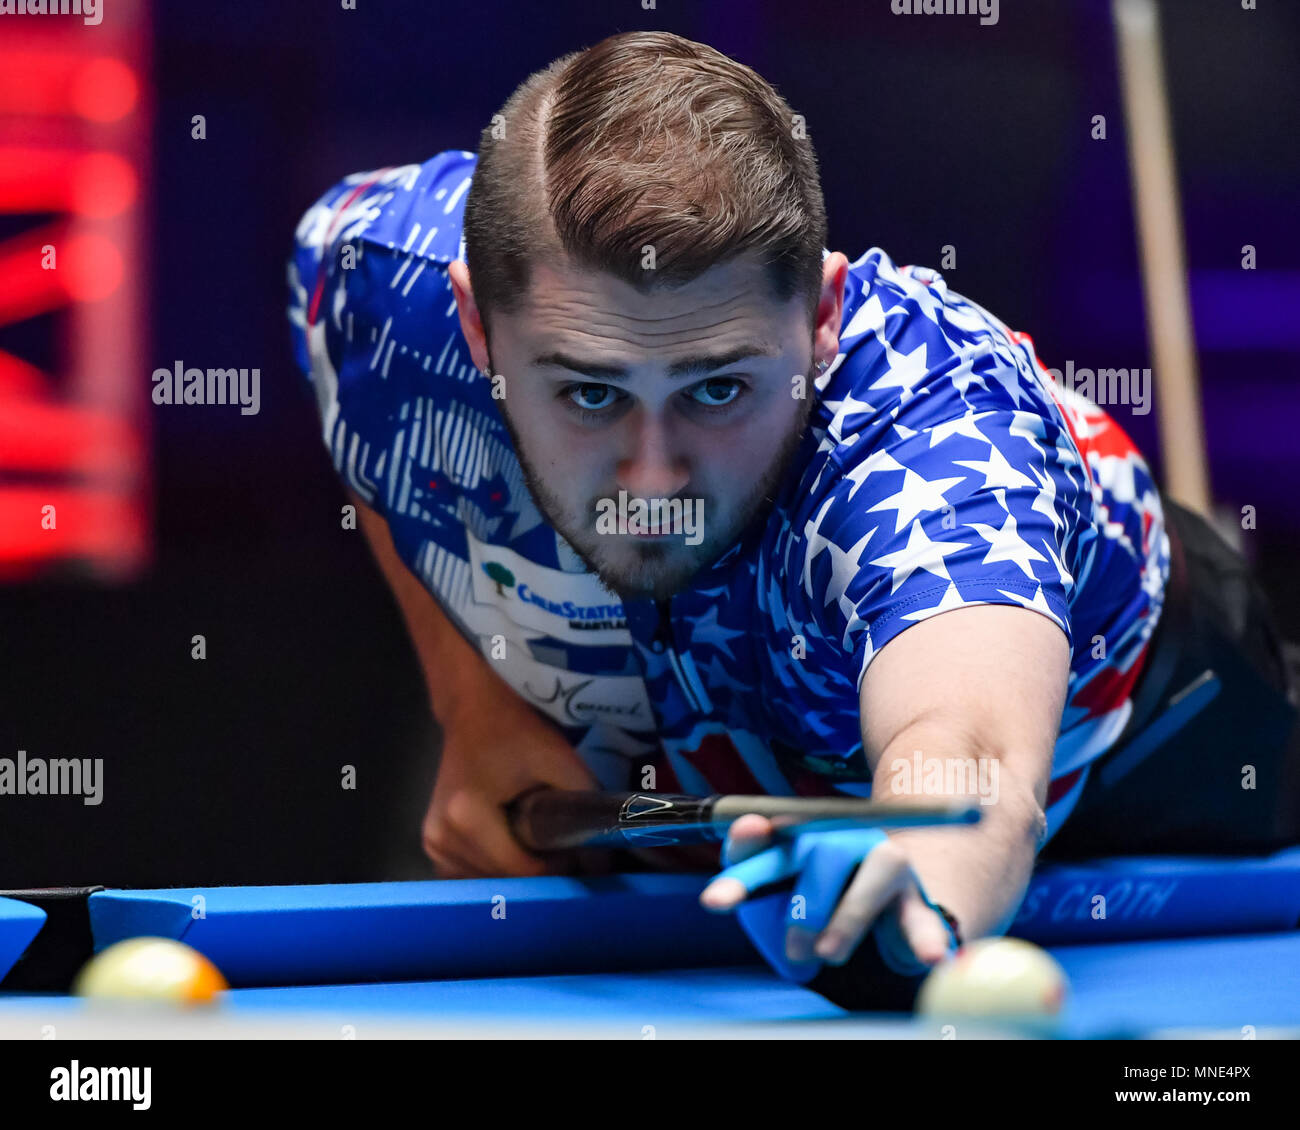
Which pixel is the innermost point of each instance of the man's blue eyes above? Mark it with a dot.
(724, 390)
(716, 392)
(592, 397)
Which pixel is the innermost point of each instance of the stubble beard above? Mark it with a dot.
(656, 570)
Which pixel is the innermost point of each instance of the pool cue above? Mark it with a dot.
(546, 819)
(1164, 270)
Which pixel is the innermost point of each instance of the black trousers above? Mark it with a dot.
(1227, 781)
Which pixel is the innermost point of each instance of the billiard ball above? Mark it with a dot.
(996, 979)
(150, 969)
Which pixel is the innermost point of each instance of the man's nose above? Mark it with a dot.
(653, 469)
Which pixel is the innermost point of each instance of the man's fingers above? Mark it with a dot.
(490, 850)
(447, 864)
(723, 894)
(497, 844)
(878, 881)
(748, 837)
(924, 929)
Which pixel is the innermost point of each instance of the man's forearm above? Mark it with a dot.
(978, 873)
(459, 680)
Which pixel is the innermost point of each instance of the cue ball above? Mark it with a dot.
(996, 979)
(150, 969)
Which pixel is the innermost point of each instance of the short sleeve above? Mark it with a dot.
(373, 320)
(949, 480)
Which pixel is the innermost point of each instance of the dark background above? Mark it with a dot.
(930, 131)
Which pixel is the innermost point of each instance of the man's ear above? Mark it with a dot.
(830, 308)
(471, 321)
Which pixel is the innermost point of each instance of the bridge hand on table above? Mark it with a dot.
(836, 886)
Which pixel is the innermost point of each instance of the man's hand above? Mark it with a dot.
(490, 755)
(981, 684)
(844, 884)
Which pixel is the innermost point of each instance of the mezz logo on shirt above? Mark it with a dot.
(573, 699)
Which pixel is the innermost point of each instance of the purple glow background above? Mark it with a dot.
(930, 130)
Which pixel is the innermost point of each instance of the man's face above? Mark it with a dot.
(685, 394)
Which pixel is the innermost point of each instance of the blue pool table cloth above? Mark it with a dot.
(1208, 944)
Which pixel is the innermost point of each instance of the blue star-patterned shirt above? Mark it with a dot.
(943, 468)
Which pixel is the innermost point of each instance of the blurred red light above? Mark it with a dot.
(94, 268)
(102, 184)
(103, 90)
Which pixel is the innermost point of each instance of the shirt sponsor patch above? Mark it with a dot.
(574, 699)
(573, 607)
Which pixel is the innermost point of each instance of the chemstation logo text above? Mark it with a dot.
(578, 615)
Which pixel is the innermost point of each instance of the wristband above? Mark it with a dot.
(954, 927)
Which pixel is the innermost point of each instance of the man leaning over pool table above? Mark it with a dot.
(906, 562)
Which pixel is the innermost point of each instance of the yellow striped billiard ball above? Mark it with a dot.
(150, 969)
(997, 979)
